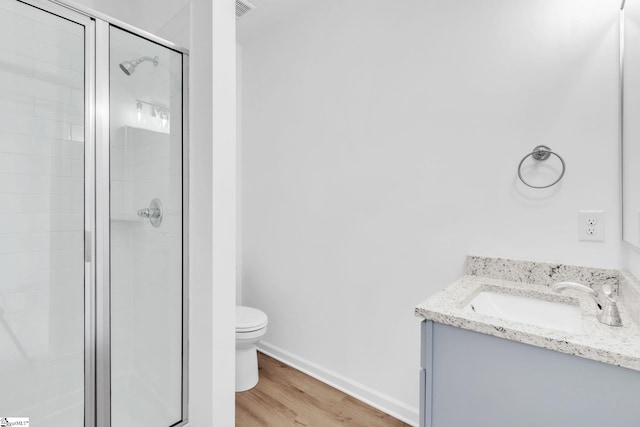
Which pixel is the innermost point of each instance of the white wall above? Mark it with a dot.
(631, 107)
(631, 259)
(380, 146)
(239, 169)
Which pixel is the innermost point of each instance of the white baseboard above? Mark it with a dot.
(371, 397)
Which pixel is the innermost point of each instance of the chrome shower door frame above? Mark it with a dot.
(97, 322)
(103, 225)
(103, 231)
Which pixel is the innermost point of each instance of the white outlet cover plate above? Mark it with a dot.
(586, 222)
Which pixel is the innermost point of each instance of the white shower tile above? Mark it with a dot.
(77, 239)
(16, 103)
(145, 171)
(58, 111)
(34, 165)
(20, 301)
(61, 276)
(51, 91)
(74, 150)
(15, 123)
(23, 242)
(54, 21)
(51, 129)
(70, 222)
(17, 24)
(77, 168)
(26, 203)
(58, 35)
(66, 295)
(62, 76)
(57, 368)
(20, 223)
(77, 204)
(47, 53)
(14, 183)
(62, 204)
(12, 263)
(18, 8)
(60, 240)
(67, 185)
(38, 184)
(16, 44)
(77, 133)
(15, 143)
(51, 147)
(77, 98)
(77, 62)
(66, 257)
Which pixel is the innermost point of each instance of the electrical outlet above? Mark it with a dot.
(591, 225)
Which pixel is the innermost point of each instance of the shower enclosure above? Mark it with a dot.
(93, 220)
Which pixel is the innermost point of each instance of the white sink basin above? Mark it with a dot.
(547, 314)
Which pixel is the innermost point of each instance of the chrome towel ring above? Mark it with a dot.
(541, 153)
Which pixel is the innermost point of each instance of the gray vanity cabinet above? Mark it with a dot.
(469, 379)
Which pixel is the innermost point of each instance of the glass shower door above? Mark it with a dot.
(42, 215)
(93, 229)
(146, 204)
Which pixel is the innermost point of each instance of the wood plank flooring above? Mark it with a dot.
(287, 397)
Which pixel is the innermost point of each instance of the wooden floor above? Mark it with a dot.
(287, 397)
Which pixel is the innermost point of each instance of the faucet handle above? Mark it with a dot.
(610, 315)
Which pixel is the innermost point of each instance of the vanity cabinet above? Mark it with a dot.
(469, 379)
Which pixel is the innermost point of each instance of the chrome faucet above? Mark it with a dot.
(149, 213)
(608, 312)
(154, 212)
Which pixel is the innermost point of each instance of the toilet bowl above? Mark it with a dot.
(251, 325)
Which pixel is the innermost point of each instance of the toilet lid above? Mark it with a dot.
(249, 319)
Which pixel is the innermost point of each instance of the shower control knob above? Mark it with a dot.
(154, 212)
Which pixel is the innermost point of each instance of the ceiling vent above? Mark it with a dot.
(242, 7)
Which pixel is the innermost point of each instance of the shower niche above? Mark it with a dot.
(93, 220)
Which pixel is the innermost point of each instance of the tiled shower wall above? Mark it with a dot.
(41, 215)
(146, 273)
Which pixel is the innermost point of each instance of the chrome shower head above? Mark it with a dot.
(128, 67)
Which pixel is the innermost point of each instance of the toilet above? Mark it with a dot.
(251, 325)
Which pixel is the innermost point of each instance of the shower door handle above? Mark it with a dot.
(87, 246)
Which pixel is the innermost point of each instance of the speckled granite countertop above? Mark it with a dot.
(618, 346)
